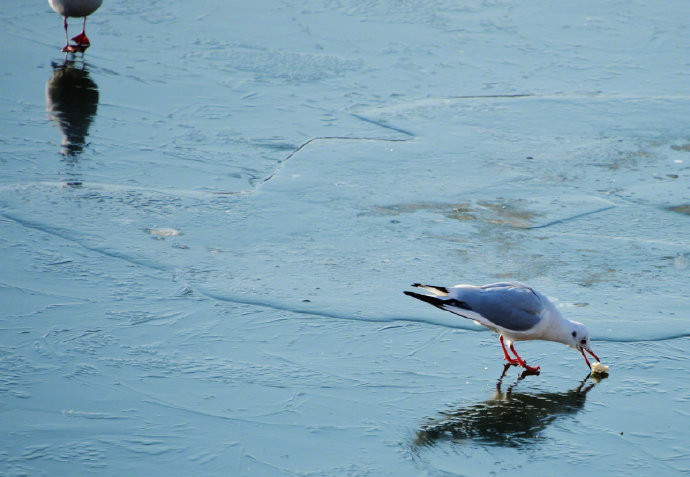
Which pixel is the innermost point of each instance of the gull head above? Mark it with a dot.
(578, 336)
(579, 340)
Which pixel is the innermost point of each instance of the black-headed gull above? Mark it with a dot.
(76, 9)
(514, 311)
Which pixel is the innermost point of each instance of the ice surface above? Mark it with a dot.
(206, 224)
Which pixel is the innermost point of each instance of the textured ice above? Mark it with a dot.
(207, 222)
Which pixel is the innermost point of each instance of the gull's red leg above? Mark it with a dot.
(522, 363)
(66, 47)
(510, 360)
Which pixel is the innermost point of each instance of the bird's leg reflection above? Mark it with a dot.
(499, 382)
(588, 388)
(509, 419)
(506, 367)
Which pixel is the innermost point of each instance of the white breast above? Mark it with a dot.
(75, 8)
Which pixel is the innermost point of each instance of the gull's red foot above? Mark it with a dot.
(520, 361)
(528, 368)
(74, 48)
(531, 369)
(82, 40)
(527, 372)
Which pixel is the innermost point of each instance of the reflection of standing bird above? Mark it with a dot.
(509, 419)
(72, 101)
(76, 9)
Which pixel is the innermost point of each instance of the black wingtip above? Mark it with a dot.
(432, 300)
(442, 303)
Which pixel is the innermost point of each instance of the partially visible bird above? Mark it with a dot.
(513, 310)
(76, 9)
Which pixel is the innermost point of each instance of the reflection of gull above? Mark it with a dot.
(76, 9)
(509, 419)
(514, 311)
(72, 101)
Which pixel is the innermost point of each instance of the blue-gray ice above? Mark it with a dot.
(207, 221)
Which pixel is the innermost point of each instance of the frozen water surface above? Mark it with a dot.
(207, 221)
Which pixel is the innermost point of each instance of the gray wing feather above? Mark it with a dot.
(509, 305)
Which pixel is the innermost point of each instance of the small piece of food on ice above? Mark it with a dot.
(599, 368)
(164, 232)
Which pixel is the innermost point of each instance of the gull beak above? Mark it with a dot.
(582, 350)
(592, 353)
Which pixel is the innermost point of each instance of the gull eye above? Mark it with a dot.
(574, 333)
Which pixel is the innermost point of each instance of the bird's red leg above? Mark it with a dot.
(67, 47)
(522, 363)
(510, 360)
(81, 38)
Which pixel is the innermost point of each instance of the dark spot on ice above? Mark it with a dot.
(681, 209)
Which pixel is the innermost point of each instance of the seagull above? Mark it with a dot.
(77, 9)
(513, 310)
